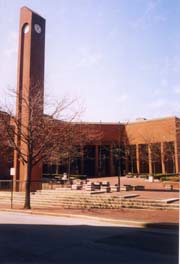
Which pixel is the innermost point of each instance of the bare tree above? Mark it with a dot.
(153, 152)
(71, 147)
(35, 136)
(119, 151)
(169, 157)
(6, 151)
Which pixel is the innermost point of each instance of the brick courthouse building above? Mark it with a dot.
(141, 147)
(144, 146)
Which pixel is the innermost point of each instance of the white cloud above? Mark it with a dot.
(122, 98)
(88, 59)
(164, 82)
(113, 32)
(12, 45)
(151, 66)
(157, 92)
(8, 52)
(177, 90)
(149, 16)
(160, 18)
(163, 107)
(158, 103)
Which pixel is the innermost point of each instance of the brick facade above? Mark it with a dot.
(144, 146)
(148, 146)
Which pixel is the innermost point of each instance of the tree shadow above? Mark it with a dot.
(24, 243)
(169, 226)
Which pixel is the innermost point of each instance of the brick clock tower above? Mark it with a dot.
(30, 82)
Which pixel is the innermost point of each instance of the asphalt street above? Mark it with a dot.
(26, 238)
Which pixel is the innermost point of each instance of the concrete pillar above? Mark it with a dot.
(111, 160)
(82, 159)
(96, 160)
(176, 157)
(127, 160)
(150, 159)
(137, 158)
(162, 158)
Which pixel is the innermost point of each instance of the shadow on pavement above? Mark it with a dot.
(22, 243)
(169, 226)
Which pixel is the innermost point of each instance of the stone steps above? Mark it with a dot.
(71, 199)
(90, 204)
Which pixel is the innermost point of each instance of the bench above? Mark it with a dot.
(138, 187)
(97, 185)
(105, 188)
(126, 188)
(76, 187)
(114, 188)
(168, 187)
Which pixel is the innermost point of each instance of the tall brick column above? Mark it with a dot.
(30, 77)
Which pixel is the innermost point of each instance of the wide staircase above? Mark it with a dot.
(73, 199)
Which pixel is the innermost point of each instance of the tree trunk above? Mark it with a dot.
(119, 178)
(154, 170)
(27, 204)
(69, 167)
(57, 169)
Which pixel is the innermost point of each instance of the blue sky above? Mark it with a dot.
(121, 58)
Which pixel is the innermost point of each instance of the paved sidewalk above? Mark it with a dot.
(141, 215)
(132, 217)
(155, 192)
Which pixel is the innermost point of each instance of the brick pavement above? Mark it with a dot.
(150, 216)
(155, 191)
(132, 181)
(142, 215)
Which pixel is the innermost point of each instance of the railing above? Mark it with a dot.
(8, 185)
(9, 189)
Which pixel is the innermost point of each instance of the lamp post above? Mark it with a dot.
(100, 155)
(119, 159)
(12, 173)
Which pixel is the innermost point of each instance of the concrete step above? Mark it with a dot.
(85, 200)
(78, 205)
(106, 204)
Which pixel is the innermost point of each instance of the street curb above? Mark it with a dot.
(101, 219)
(120, 222)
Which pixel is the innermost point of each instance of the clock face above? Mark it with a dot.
(37, 28)
(26, 28)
